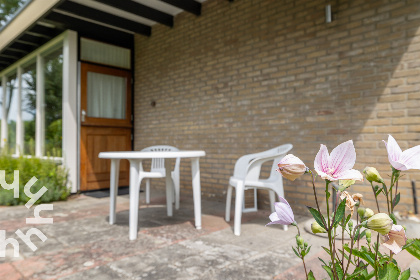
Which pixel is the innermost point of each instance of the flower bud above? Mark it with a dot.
(305, 244)
(368, 213)
(372, 175)
(350, 224)
(291, 167)
(361, 211)
(299, 241)
(380, 223)
(368, 236)
(316, 228)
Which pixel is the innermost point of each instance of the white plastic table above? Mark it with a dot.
(135, 158)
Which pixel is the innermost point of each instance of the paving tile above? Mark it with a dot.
(82, 245)
(8, 271)
(99, 272)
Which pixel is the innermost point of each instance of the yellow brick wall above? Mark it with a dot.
(249, 75)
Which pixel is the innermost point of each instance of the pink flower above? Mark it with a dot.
(337, 166)
(291, 167)
(409, 159)
(395, 239)
(283, 215)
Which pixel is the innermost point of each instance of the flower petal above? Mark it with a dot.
(411, 158)
(343, 157)
(325, 176)
(397, 165)
(275, 220)
(321, 160)
(284, 213)
(289, 160)
(395, 239)
(351, 174)
(393, 149)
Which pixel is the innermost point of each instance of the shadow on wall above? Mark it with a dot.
(247, 76)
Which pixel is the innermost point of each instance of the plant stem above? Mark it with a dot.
(342, 240)
(304, 266)
(351, 249)
(329, 229)
(376, 197)
(357, 221)
(376, 256)
(396, 192)
(303, 258)
(316, 199)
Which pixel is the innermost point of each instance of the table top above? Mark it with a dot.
(147, 155)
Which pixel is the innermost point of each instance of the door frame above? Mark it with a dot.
(126, 123)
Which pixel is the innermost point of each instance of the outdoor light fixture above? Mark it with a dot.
(328, 17)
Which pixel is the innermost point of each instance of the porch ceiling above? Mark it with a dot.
(112, 21)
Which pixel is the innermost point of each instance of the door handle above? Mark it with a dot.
(83, 115)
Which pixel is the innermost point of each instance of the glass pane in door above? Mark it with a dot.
(106, 96)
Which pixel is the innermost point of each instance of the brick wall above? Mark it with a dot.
(249, 75)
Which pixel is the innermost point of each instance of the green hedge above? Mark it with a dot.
(49, 174)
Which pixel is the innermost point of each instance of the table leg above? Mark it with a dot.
(113, 189)
(195, 170)
(134, 198)
(169, 188)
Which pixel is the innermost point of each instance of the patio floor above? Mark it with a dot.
(82, 245)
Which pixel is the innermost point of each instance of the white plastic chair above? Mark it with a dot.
(157, 170)
(247, 175)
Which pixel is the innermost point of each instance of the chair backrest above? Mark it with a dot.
(274, 155)
(158, 164)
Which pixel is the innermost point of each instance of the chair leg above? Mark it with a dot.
(228, 203)
(238, 208)
(272, 200)
(175, 180)
(148, 191)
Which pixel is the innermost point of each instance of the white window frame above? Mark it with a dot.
(70, 145)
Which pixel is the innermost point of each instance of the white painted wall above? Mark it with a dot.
(70, 109)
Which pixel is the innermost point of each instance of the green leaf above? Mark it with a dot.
(359, 237)
(378, 192)
(405, 275)
(347, 219)
(389, 271)
(296, 252)
(393, 218)
(396, 199)
(317, 216)
(413, 247)
(308, 249)
(326, 250)
(328, 194)
(311, 275)
(339, 270)
(359, 271)
(329, 271)
(322, 261)
(384, 189)
(364, 255)
(340, 212)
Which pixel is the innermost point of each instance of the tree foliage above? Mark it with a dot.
(8, 8)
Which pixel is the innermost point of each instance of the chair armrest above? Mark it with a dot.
(241, 165)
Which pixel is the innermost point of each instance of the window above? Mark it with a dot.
(53, 77)
(29, 109)
(11, 112)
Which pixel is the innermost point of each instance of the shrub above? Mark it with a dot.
(49, 174)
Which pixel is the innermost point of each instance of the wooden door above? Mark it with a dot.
(105, 123)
